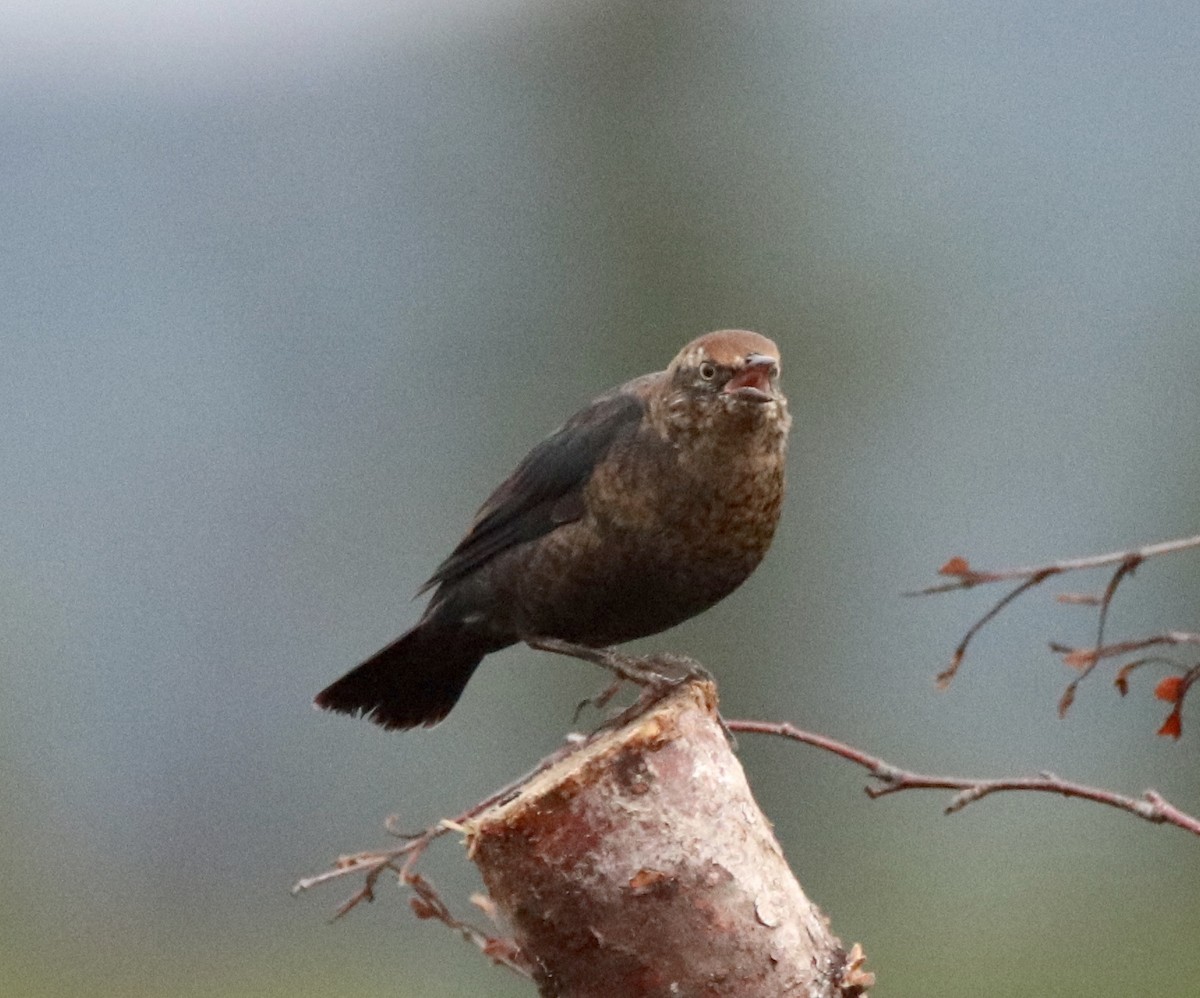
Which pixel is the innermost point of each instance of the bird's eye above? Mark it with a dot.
(708, 371)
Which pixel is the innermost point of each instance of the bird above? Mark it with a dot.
(645, 508)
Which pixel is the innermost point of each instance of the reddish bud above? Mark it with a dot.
(1170, 689)
(955, 566)
(947, 674)
(1080, 658)
(1068, 698)
(1173, 725)
(422, 908)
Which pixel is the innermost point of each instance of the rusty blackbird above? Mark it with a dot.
(645, 508)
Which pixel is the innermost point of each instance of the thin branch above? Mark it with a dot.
(373, 864)
(1121, 679)
(1127, 567)
(946, 675)
(427, 903)
(1081, 658)
(1151, 806)
(1086, 659)
(966, 577)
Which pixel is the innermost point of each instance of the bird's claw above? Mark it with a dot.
(599, 701)
(659, 669)
(656, 675)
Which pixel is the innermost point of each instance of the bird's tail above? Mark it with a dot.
(413, 681)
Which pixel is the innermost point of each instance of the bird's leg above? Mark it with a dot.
(656, 674)
(663, 669)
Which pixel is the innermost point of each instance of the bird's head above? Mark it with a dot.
(730, 370)
(737, 364)
(730, 376)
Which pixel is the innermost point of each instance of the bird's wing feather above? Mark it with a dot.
(546, 489)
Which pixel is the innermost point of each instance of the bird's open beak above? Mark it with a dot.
(754, 381)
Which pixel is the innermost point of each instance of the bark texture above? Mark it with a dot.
(641, 865)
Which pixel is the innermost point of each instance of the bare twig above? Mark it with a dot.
(966, 577)
(1151, 806)
(1127, 567)
(427, 903)
(946, 675)
(1085, 660)
(373, 864)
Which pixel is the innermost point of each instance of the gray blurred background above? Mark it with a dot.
(288, 288)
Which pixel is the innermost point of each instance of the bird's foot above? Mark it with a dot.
(662, 669)
(656, 675)
(599, 701)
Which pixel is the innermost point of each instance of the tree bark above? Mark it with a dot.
(640, 864)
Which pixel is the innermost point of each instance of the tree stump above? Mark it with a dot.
(640, 864)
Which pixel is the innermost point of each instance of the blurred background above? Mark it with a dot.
(288, 288)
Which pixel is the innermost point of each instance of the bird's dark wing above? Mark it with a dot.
(546, 490)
